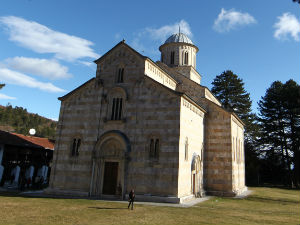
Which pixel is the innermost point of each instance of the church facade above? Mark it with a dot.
(150, 126)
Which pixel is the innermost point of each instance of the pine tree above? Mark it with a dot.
(229, 89)
(291, 102)
(280, 123)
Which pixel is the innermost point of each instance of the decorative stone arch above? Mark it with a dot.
(111, 153)
(197, 176)
(117, 91)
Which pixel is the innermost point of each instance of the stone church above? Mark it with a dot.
(150, 126)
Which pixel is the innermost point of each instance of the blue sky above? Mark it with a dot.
(47, 48)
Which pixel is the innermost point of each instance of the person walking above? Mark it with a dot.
(131, 199)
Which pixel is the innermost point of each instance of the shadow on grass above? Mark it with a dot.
(105, 208)
(19, 194)
(262, 199)
(266, 185)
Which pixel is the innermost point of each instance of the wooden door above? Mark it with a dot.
(110, 178)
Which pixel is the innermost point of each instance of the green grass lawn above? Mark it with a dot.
(263, 206)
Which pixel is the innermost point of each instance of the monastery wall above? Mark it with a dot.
(158, 119)
(238, 156)
(192, 138)
(218, 152)
(76, 120)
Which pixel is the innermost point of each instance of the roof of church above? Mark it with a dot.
(187, 40)
(179, 37)
(76, 89)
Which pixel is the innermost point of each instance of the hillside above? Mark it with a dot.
(17, 119)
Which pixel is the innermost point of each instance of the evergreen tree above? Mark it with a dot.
(20, 121)
(229, 89)
(280, 123)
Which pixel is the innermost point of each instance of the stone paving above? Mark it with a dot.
(182, 205)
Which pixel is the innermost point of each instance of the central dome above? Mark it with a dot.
(179, 37)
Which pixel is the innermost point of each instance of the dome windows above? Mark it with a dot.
(186, 58)
(178, 50)
(172, 57)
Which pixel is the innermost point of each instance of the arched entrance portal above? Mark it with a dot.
(110, 161)
(197, 176)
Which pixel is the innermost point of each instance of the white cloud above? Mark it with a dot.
(42, 39)
(89, 64)
(144, 39)
(50, 69)
(231, 19)
(3, 96)
(164, 32)
(12, 77)
(286, 25)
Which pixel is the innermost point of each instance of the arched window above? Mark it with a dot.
(186, 149)
(78, 146)
(116, 100)
(73, 149)
(116, 112)
(120, 75)
(186, 58)
(151, 153)
(75, 146)
(172, 58)
(154, 148)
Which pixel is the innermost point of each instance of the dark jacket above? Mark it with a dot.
(131, 196)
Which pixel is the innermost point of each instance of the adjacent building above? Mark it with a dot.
(24, 157)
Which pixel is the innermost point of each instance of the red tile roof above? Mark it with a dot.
(23, 140)
(44, 142)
